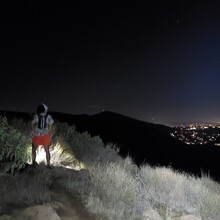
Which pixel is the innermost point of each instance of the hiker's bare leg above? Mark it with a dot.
(34, 149)
(47, 154)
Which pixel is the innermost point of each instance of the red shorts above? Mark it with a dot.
(44, 140)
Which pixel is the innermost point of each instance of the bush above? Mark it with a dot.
(64, 131)
(113, 192)
(85, 148)
(169, 191)
(172, 192)
(21, 125)
(15, 147)
(92, 150)
(62, 155)
(209, 198)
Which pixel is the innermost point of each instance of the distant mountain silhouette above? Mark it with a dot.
(145, 142)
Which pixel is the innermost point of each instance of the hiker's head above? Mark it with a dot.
(42, 109)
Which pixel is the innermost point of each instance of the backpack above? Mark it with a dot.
(42, 121)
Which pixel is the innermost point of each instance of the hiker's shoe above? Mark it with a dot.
(34, 164)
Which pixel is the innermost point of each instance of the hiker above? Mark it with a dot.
(41, 132)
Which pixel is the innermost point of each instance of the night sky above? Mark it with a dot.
(158, 62)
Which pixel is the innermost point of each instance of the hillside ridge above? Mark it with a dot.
(145, 142)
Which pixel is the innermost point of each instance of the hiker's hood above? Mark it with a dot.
(45, 108)
(42, 109)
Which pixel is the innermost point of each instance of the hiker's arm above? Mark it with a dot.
(50, 128)
(34, 122)
(50, 124)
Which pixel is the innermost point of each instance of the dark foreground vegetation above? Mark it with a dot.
(144, 142)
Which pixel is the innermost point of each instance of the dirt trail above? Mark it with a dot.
(66, 206)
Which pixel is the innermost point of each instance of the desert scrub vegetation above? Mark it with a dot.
(111, 187)
(15, 150)
(115, 193)
(88, 150)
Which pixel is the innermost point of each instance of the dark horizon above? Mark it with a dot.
(169, 123)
